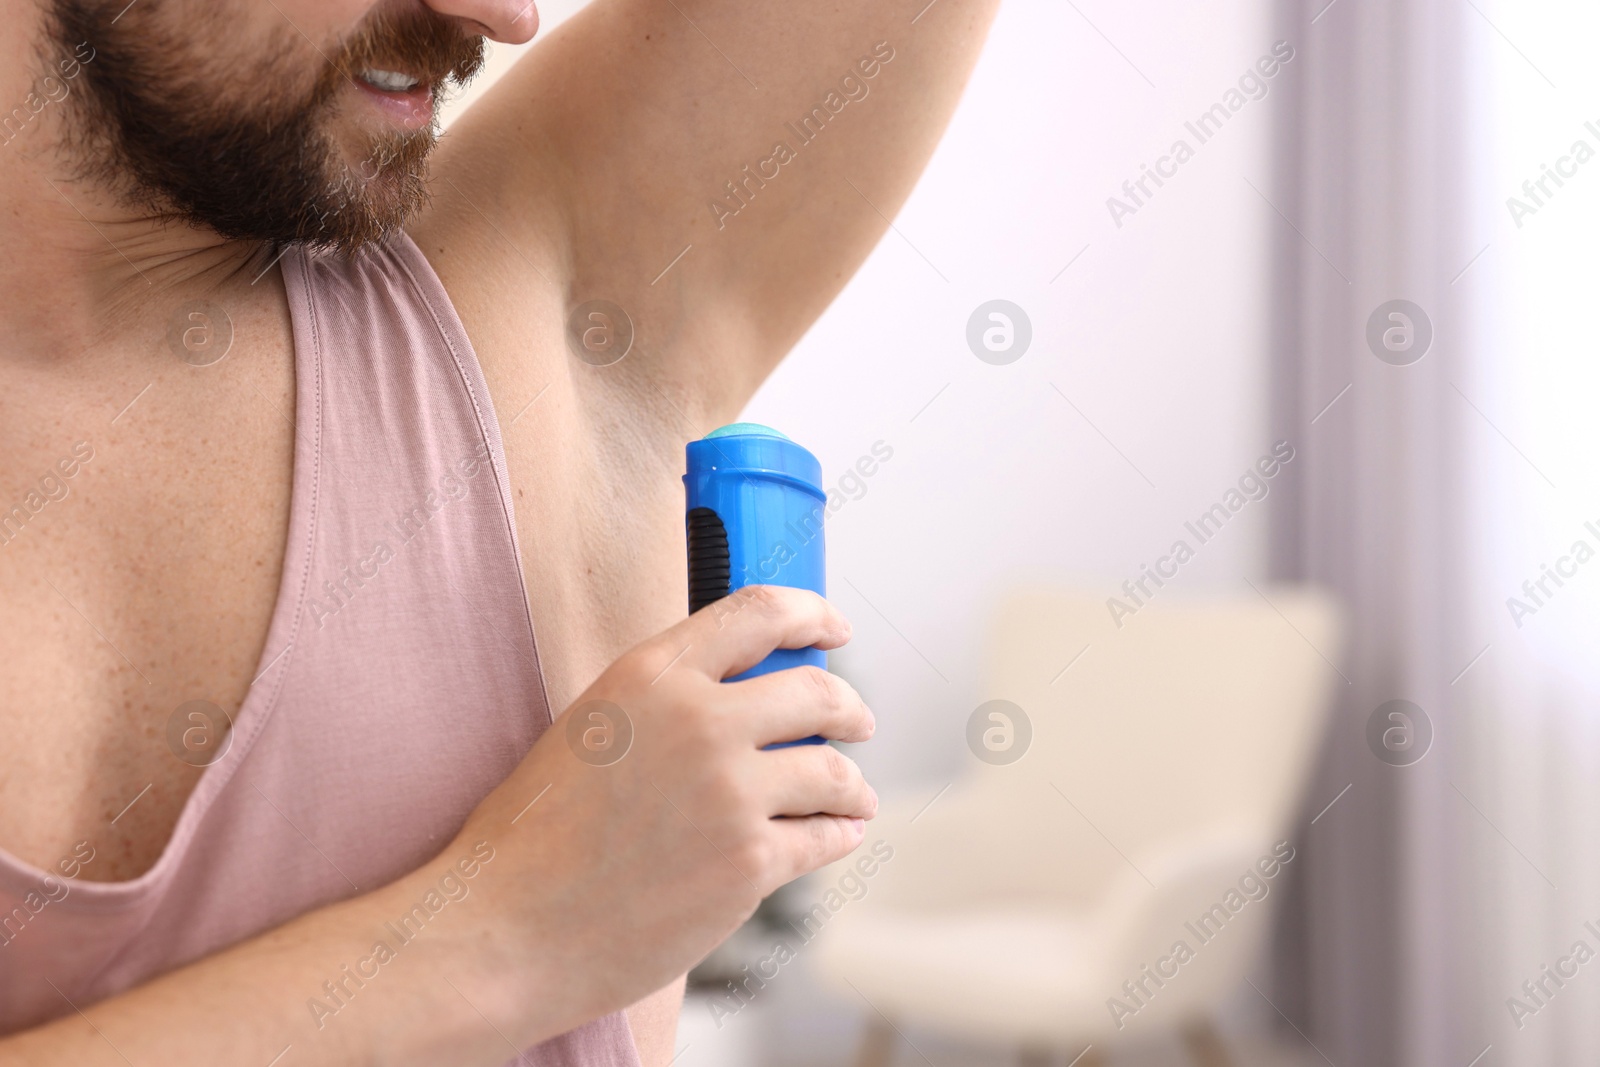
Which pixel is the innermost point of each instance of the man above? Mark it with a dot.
(306, 430)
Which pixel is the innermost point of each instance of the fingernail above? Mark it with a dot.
(861, 826)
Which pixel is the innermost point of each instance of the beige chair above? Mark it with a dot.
(1165, 763)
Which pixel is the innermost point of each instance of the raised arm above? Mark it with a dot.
(717, 168)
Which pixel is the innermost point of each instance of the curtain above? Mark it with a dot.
(1370, 200)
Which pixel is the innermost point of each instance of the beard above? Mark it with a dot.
(248, 149)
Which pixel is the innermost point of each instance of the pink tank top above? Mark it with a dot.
(399, 684)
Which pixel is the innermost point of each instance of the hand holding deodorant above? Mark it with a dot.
(755, 511)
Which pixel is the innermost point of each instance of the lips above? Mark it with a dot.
(404, 99)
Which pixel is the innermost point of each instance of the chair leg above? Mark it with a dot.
(877, 1044)
(1205, 1045)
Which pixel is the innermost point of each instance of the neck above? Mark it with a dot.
(87, 268)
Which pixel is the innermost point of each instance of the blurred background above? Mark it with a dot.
(1341, 745)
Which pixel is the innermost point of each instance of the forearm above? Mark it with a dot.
(254, 1001)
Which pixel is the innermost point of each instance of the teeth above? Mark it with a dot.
(388, 80)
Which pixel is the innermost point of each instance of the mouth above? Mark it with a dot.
(404, 99)
(389, 81)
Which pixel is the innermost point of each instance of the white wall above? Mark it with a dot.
(1156, 333)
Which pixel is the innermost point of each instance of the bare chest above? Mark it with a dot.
(148, 500)
(144, 581)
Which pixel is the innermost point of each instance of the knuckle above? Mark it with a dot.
(756, 857)
(826, 840)
(840, 768)
(650, 662)
(767, 598)
(827, 690)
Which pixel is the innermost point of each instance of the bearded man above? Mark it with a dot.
(340, 511)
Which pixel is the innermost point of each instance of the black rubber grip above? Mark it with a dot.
(709, 572)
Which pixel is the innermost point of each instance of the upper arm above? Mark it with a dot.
(716, 169)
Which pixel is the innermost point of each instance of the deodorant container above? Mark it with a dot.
(755, 513)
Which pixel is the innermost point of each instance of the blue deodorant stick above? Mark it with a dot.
(755, 511)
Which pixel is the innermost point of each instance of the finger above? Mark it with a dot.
(815, 841)
(816, 780)
(798, 702)
(740, 630)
